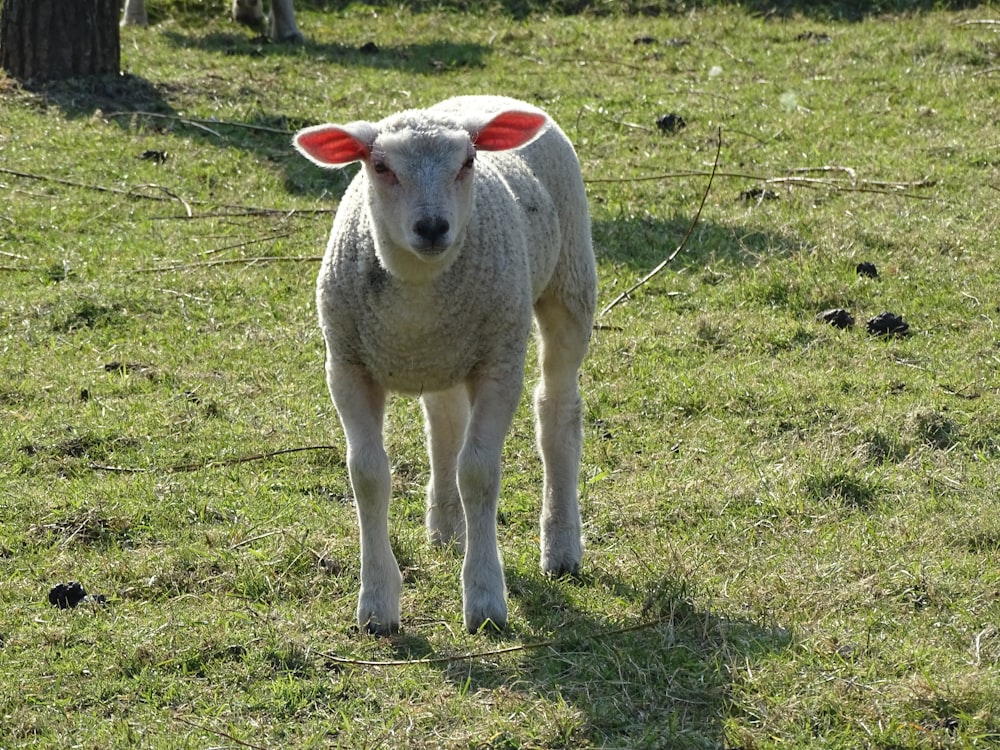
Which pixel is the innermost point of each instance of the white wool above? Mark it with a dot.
(441, 252)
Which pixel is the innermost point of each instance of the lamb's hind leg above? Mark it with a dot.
(559, 429)
(447, 416)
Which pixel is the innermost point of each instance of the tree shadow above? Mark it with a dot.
(429, 58)
(843, 10)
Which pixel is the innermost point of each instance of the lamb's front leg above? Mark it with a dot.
(360, 403)
(483, 590)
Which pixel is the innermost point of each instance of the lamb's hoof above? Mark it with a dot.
(485, 614)
(445, 526)
(489, 625)
(446, 539)
(377, 615)
(562, 571)
(559, 565)
(373, 626)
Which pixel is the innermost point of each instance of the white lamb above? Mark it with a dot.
(443, 245)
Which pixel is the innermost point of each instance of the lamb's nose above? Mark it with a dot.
(432, 229)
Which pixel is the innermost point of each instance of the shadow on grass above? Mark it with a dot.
(663, 681)
(639, 244)
(851, 10)
(430, 58)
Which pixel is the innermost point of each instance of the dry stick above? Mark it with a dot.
(233, 262)
(491, 652)
(269, 238)
(179, 468)
(200, 122)
(694, 222)
(165, 191)
(250, 211)
(856, 186)
(169, 197)
(218, 733)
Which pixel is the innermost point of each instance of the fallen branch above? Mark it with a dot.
(694, 222)
(211, 464)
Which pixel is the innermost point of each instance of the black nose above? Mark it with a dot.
(432, 229)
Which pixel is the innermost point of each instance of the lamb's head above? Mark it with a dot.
(420, 171)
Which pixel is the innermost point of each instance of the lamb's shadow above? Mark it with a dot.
(638, 245)
(665, 680)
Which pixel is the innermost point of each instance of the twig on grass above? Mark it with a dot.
(548, 643)
(200, 122)
(210, 464)
(218, 733)
(166, 191)
(694, 222)
(222, 210)
(256, 260)
(233, 211)
(22, 269)
(887, 187)
(247, 243)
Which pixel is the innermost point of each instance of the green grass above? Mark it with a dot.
(791, 530)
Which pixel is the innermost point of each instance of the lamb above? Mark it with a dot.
(280, 21)
(466, 218)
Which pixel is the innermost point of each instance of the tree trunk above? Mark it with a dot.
(44, 40)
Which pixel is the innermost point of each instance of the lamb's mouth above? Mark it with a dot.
(430, 249)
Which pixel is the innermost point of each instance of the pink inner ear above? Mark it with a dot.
(331, 145)
(509, 130)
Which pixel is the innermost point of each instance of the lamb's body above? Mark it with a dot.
(432, 274)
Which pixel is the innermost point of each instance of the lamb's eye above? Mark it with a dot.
(380, 167)
(466, 168)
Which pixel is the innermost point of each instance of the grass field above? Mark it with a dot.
(792, 533)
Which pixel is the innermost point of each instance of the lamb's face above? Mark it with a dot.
(423, 184)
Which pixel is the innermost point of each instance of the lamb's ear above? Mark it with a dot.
(510, 129)
(336, 145)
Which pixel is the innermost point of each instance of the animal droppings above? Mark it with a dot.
(758, 194)
(837, 317)
(888, 324)
(69, 595)
(670, 123)
(867, 269)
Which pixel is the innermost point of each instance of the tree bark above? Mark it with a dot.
(44, 40)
